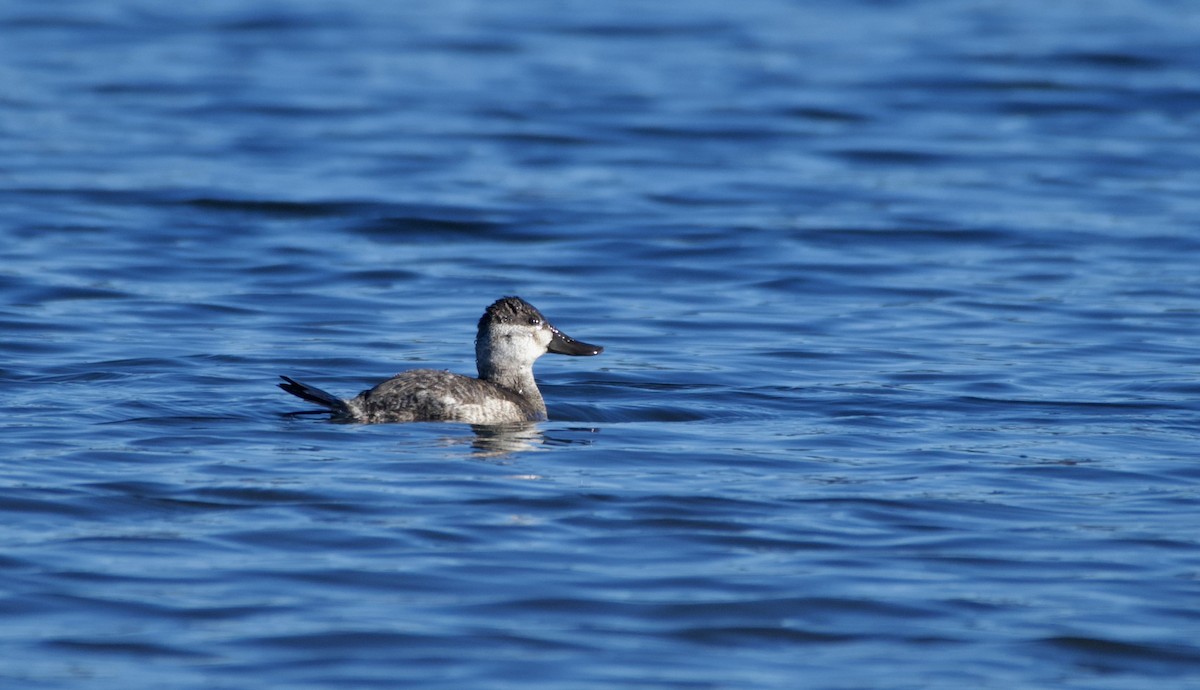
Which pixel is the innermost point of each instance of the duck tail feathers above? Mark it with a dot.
(315, 395)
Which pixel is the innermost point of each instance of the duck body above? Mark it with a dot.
(512, 334)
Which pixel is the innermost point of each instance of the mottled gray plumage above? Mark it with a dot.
(512, 334)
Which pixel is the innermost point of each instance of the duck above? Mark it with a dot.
(511, 336)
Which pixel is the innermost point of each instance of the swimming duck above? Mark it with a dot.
(512, 334)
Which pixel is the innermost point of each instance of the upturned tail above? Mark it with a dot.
(315, 395)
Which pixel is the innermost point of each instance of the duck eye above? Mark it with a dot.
(535, 321)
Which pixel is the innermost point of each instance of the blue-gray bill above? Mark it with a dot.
(563, 344)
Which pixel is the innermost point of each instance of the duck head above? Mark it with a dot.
(513, 334)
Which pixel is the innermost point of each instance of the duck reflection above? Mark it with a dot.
(495, 440)
(499, 440)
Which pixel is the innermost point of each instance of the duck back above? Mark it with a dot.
(428, 395)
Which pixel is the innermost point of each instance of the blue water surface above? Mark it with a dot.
(900, 303)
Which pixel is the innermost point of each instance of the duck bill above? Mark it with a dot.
(563, 344)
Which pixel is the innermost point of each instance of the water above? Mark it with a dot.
(900, 304)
